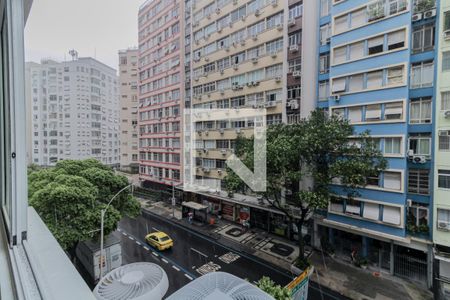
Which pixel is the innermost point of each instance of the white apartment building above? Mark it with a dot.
(128, 82)
(74, 111)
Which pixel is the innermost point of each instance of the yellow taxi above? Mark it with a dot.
(159, 240)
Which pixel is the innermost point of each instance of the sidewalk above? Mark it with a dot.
(343, 278)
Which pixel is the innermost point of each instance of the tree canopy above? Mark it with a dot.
(70, 196)
(305, 159)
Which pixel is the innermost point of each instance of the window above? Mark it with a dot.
(371, 211)
(324, 34)
(418, 181)
(447, 21)
(324, 90)
(446, 61)
(324, 63)
(392, 180)
(336, 205)
(356, 83)
(295, 38)
(421, 145)
(354, 114)
(444, 179)
(420, 111)
(295, 65)
(393, 111)
(340, 55)
(393, 146)
(395, 75)
(373, 180)
(391, 215)
(375, 45)
(422, 75)
(445, 100)
(352, 207)
(444, 140)
(356, 50)
(418, 214)
(358, 17)
(443, 219)
(396, 40)
(339, 85)
(423, 38)
(324, 7)
(341, 24)
(373, 112)
(374, 79)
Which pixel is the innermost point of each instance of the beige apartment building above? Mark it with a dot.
(128, 90)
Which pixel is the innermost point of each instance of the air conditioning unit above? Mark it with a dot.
(219, 172)
(443, 225)
(254, 60)
(238, 130)
(291, 22)
(278, 79)
(274, 3)
(419, 159)
(410, 153)
(280, 26)
(430, 13)
(207, 59)
(447, 35)
(227, 48)
(236, 66)
(223, 151)
(208, 16)
(222, 90)
(205, 150)
(206, 132)
(206, 170)
(221, 131)
(297, 74)
(195, 24)
(199, 132)
(447, 114)
(243, 18)
(217, 10)
(254, 37)
(417, 17)
(271, 104)
(293, 48)
(273, 54)
(257, 12)
(294, 104)
(235, 2)
(242, 42)
(219, 29)
(335, 98)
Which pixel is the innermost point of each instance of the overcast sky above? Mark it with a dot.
(96, 28)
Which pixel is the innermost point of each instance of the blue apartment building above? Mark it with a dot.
(377, 69)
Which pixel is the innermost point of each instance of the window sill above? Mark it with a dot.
(41, 269)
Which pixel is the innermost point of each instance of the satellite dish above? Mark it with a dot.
(137, 281)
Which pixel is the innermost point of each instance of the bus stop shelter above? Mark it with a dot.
(198, 211)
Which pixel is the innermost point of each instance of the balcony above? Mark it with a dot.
(423, 5)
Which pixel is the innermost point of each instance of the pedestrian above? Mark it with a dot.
(190, 217)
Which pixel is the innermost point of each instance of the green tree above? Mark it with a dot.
(304, 159)
(276, 291)
(70, 196)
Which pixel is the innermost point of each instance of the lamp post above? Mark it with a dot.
(102, 213)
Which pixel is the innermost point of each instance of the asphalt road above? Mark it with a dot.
(194, 254)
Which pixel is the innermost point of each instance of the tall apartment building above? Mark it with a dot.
(377, 69)
(74, 111)
(128, 93)
(161, 43)
(441, 211)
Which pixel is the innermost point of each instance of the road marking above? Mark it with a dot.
(164, 260)
(176, 268)
(131, 238)
(208, 268)
(119, 229)
(155, 229)
(189, 277)
(229, 257)
(146, 248)
(139, 243)
(155, 254)
(124, 234)
(202, 254)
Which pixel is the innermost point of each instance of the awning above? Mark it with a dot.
(194, 205)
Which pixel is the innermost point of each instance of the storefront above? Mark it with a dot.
(213, 205)
(228, 211)
(242, 213)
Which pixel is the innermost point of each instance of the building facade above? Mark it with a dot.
(377, 69)
(74, 111)
(128, 93)
(161, 72)
(441, 211)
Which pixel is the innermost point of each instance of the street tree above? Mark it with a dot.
(304, 160)
(70, 196)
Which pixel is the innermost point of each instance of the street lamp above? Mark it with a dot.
(102, 213)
